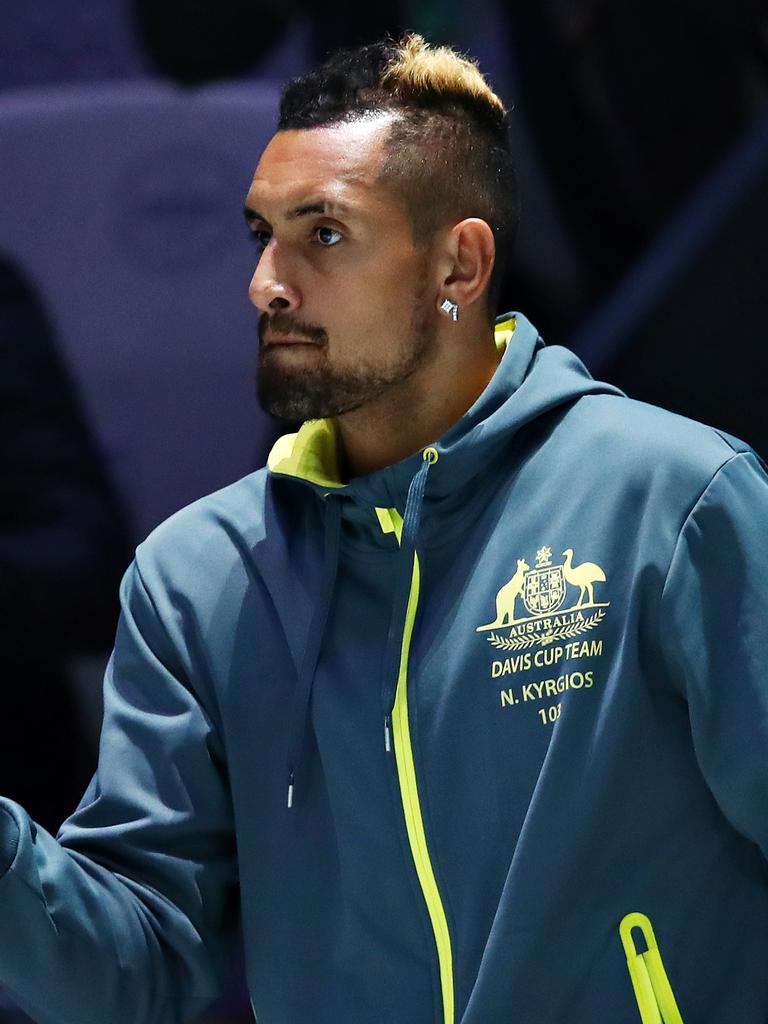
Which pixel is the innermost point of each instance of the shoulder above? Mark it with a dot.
(206, 539)
(644, 442)
(643, 462)
(223, 557)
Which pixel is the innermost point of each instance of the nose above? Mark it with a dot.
(268, 290)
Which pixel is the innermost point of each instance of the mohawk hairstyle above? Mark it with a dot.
(447, 152)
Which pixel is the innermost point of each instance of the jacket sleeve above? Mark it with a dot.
(127, 915)
(714, 627)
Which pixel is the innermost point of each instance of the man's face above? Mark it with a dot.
(348, 310)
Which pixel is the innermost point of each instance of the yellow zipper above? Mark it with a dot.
(392, 521)
(653, 993)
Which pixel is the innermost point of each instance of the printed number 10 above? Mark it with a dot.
(550, 714)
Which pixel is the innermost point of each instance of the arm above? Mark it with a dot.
(125, 917)
(715, 629)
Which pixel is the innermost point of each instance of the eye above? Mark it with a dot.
(325, 236)
(261, 238)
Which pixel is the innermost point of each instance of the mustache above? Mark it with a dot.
(287, 326)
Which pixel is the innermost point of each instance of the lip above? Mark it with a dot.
(288, 341)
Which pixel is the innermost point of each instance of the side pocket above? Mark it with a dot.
(653, 993)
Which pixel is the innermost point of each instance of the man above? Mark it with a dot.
(467, 691)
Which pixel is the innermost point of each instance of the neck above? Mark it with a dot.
(421, 409)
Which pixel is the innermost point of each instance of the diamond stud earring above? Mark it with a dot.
(450, 308)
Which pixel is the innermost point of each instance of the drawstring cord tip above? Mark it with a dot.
(387, 743)
(290, 790)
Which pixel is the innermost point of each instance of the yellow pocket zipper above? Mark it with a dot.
(653, 992)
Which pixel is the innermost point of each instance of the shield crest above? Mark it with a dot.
(544, 590)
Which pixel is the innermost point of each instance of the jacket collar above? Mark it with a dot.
(529, 381)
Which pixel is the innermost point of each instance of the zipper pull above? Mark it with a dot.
(655, 999)
(387, 734)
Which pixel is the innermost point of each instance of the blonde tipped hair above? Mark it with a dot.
(418, 68)
(447, 153)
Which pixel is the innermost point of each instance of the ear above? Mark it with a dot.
(470, 256)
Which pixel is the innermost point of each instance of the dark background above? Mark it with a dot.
(128, 133)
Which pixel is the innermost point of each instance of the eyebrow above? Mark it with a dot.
(320, 206)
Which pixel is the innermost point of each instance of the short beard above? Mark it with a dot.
(314, 392)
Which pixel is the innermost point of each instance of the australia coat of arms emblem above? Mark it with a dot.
(543, 592)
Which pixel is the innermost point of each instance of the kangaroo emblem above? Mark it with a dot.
(507, 596)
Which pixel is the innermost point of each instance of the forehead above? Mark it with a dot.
(339, 162)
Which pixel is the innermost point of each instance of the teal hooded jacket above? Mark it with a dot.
(480, 737)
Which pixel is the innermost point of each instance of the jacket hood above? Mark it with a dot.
(532, 379)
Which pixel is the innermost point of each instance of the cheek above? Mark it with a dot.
(380, 286)
(399, 282)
